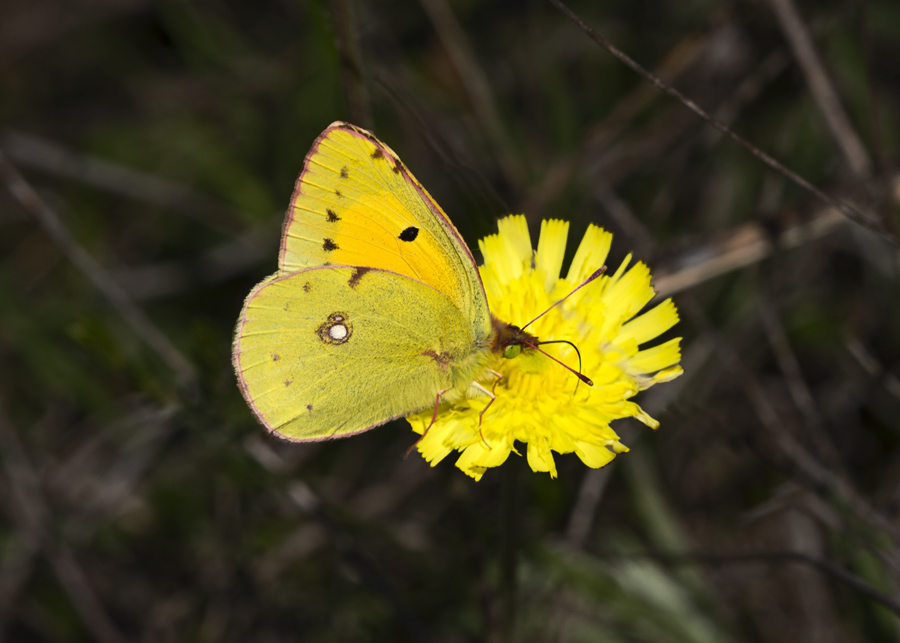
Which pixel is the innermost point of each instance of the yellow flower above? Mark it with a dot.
(538, 401)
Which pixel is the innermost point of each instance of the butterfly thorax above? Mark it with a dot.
(509, 340)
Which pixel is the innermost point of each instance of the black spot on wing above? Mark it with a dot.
(338, 194)
(309, 407)
(329, 245)
(332, 216)
(306, 288)
(377, 154)
(345, 172)
(443, 360)
(409, 234)
(275, 357)
(356, 276)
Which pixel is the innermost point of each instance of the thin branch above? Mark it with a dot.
(766, 72)
(601, 134)
(820, 86)
(847, 210)
(34, 205)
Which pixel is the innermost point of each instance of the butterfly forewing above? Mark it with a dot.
(355, 203)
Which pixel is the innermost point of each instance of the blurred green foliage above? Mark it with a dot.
(166, 137)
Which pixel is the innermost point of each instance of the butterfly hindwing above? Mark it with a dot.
(332, 351)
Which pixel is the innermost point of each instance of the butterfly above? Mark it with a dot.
(377, 309)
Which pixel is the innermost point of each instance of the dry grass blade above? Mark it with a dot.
(213, 266)
(745, 246)
(821, 87)
(742, 247)
(797, 385)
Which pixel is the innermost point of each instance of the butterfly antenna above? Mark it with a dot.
(584, 283)
(584, 378)
(566, 341)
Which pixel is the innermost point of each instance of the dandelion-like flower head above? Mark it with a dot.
(538, 402)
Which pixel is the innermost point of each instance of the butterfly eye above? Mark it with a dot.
(512, 350)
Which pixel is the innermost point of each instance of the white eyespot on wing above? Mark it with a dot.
(336, 329)
(338, 332)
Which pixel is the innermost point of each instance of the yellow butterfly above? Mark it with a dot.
(377, 309)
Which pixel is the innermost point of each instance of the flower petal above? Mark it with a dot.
(540, 458)
(508, 253)
(593, 455)
(591, 254)
(650, 324)
(657, 358)
(551, 249)
(537, 402)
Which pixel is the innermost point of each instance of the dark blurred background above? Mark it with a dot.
(150, 151)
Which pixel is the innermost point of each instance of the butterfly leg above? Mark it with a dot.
(437, 401)
(493, 397)
(496, 381)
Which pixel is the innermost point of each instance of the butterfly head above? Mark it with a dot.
(509, 341)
